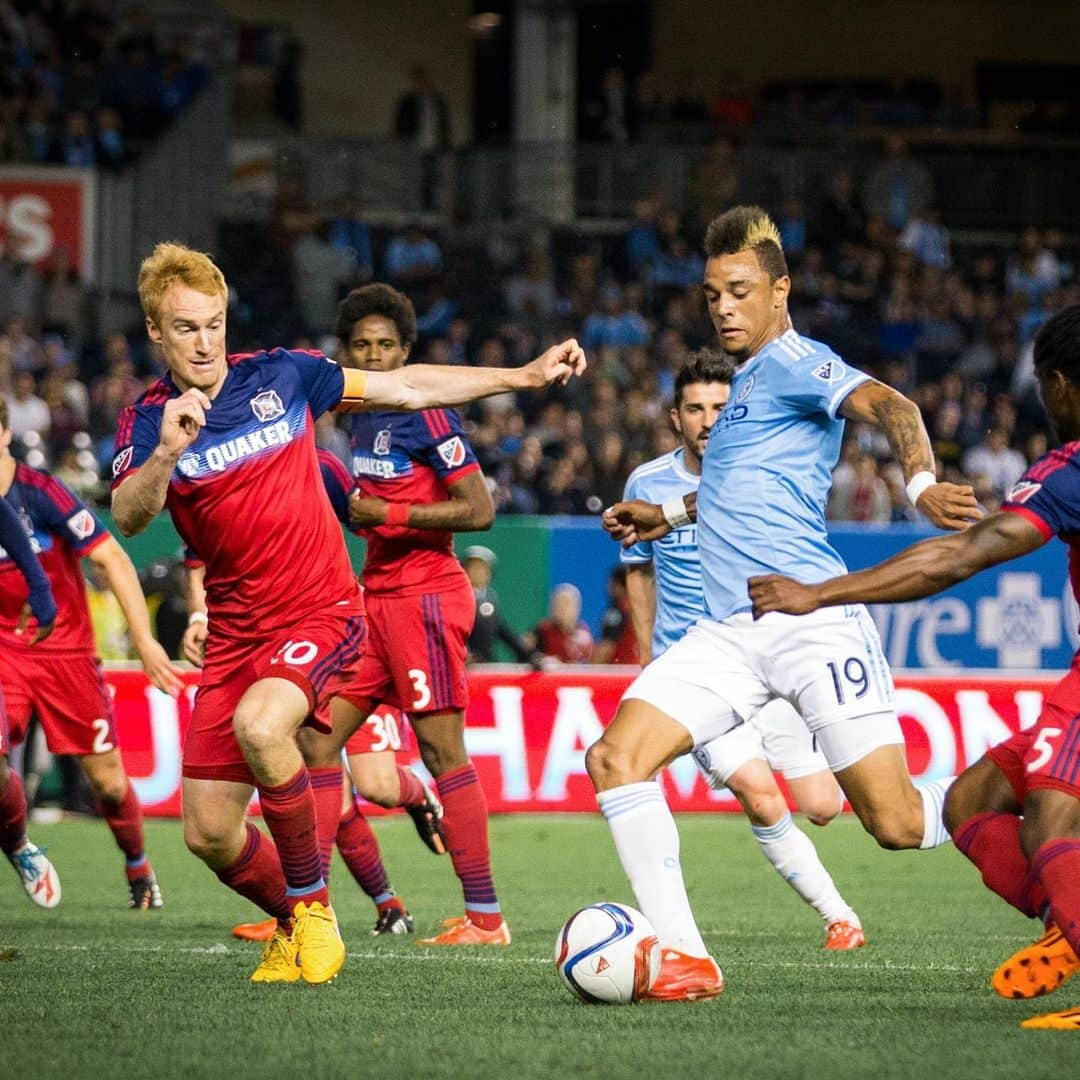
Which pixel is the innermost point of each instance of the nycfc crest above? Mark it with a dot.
(382, 442)
(266, 405)
(745, 390)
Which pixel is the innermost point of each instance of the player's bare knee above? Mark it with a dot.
(764, 808)
(255, 730)
(609, 766)
(895, 834)
(821, 811)
(382, 794)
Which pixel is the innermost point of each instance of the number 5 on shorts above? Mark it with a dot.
(420, 689)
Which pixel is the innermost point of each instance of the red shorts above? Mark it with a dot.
(415, 655)
(385, 729)
(1046, 755)
(318, 654)
(66, 693)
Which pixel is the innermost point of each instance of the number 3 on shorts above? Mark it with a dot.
(1044, 744)
(420, 688)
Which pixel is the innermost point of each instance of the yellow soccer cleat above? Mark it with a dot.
(318, 941)
(1037, 968)
(279, 962)
(1069, 1020)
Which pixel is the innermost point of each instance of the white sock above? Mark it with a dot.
(933, 805)
(796, 860)
(648, 845)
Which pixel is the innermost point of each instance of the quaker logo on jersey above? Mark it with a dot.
(745, 390)
(266, 405)
(452, 452)
(382, 442)
(122, 460)
(81, 524)
(1022, 491)
(830, 371)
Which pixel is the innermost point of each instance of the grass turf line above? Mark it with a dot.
(100, 990)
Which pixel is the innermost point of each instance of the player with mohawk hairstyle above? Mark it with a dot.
(760, 507)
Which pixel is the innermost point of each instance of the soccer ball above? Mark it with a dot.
(608, 954)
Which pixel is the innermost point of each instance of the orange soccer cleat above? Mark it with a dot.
(255, 931)
(463, 931)
(686, 978)
(1069, 1020)
(1038, 968)
(843, 935)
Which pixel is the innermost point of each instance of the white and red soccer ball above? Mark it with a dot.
(608, 954)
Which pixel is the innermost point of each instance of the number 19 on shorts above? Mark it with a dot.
(849, 679)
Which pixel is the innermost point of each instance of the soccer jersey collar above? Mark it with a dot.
(678, 460)
(752, 361)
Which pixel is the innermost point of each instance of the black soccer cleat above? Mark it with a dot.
(393, 920)
(144, 894)
(427, 817)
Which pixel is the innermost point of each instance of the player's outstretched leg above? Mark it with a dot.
(640, 741)
(360, 851)
(119, 806)
(465, 827)
(37, 874)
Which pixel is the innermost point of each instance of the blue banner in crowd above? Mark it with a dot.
(1017, 617)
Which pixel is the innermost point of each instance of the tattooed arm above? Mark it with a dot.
(948, 506)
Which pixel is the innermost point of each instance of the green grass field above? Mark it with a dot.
(93, 990)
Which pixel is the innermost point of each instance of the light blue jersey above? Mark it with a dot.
(767, 471)
(680, 601)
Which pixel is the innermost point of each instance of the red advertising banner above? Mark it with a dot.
(43, 209)
(528, 733)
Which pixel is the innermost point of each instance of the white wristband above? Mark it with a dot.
(674, 511)
(198, 616)
(918, 484)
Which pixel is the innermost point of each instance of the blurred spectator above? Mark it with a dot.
(899, 187)
(531, 294)
(927, 239)
(106, 616)
(349, 233)
(26, 411)
(64, 298)
(76, 145)
(613, 324)
(489, 628)
(322, 274)
(607, 116)
(412, 259)
(617, 644)
(563, 637)
(996, 460)
(422, 118)
(863, 497)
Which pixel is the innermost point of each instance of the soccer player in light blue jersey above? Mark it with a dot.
(665, 592)
(760, 508)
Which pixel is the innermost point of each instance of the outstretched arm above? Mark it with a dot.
(426, 386)
(948, 506)
(924, 569)
(469, 508)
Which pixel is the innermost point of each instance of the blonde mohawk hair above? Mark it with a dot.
(747, 228)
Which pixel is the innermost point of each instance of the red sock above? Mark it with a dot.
(465, 818)
(1057, 863)
(257, 875)
(326, 785)
(289, 812)
(360, 850)
(412, 790)
(126, 822)
(12, 814)
(992, 842)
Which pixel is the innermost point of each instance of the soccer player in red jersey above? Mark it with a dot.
(418, 482)
(1015, 813)
(60, 679)
(227, 444)
(36, 872)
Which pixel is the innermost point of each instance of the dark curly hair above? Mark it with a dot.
(382, 300)
(702, 366)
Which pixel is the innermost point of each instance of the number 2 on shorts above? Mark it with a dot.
(854, 672)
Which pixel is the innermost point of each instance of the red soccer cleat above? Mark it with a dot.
(1038, 968)
(686, 978)
(255, 931)
(843, 935)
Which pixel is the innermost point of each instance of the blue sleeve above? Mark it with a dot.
(338, 484)
(1048, 494)
(441, 443)
(322, 379)
(815, 384)
(642, 551)
(16, 543)
(60, 510)
(137, 434)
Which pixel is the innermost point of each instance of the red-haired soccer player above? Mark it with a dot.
(60, 680)
(227, 443)
(1015, 813)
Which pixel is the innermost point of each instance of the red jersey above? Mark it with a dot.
(247, 496)
(61, 530)
(410, 458)
(573, 647)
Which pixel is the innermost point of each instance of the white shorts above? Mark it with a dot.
(777, 736)
(827, 665)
